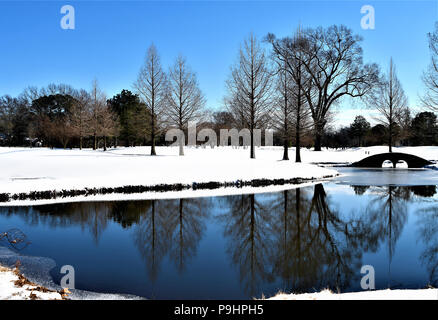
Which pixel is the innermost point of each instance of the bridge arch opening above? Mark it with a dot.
(387, 164)
(402, 164)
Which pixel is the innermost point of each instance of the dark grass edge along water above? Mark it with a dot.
(54, 194)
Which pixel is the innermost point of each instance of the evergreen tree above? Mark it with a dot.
(359, 128)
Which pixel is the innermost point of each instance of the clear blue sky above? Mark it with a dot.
(111, 38)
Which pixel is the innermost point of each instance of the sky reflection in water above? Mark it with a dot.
(243, 246)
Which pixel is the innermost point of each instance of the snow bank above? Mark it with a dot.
(36, 282)
(419, 294)
(24, 170)
(9, 290)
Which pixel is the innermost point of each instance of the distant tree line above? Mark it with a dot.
(57, 116)
(293, 85)
(421, 130)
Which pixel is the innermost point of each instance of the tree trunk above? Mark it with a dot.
(181, 143)
(390, 137)
(285, 138)
(318, 138)
(298, 144)
(80, 142)
(95, 142)
(104, 143)
(285, 149)
(298, 124)
(252, 151)
(153, 153)
(298, 134)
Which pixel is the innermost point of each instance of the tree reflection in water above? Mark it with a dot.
(299, 240)
(150, 236)
(172, 227)
(186, 224)
(294, 237)
(92, 216)
(290, 225)
(317, 247)
(386, 214)
(302, 239)
(427, 233)
(248, 225)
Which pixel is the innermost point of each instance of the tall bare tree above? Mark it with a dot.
(332, 59)
(151, 87)
(288, 54)
(249, 87)
(390, 101)
(184, 100)
(282, 116)
(430, 76)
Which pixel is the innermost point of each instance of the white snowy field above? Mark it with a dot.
(41, 169)
(419, 294)
(25, 170)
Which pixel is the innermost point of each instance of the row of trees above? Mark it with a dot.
(56, 115)
(422, 130)
(60, 115)
(172, 98)
(294, 88)
(311, 72)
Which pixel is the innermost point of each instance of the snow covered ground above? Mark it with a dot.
(14, 286)
(24, 170)
(39, 169)
(11, 289)
(419, 294)
(34, 281)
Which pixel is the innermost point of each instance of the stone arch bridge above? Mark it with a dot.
(376, 161)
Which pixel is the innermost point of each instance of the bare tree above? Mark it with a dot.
(235, 108)
(249, 88)
(8, 106)
(97, 106)
(80, 116)
(62, 129)
(151, 86)
(109, 124)
(302, 122)
(184, 99)
(289, 53)
(332, 59)
(282, 115)
(390, 101)
(103, 121)
(430, 76)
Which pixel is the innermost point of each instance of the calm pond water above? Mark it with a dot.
(238, 247)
